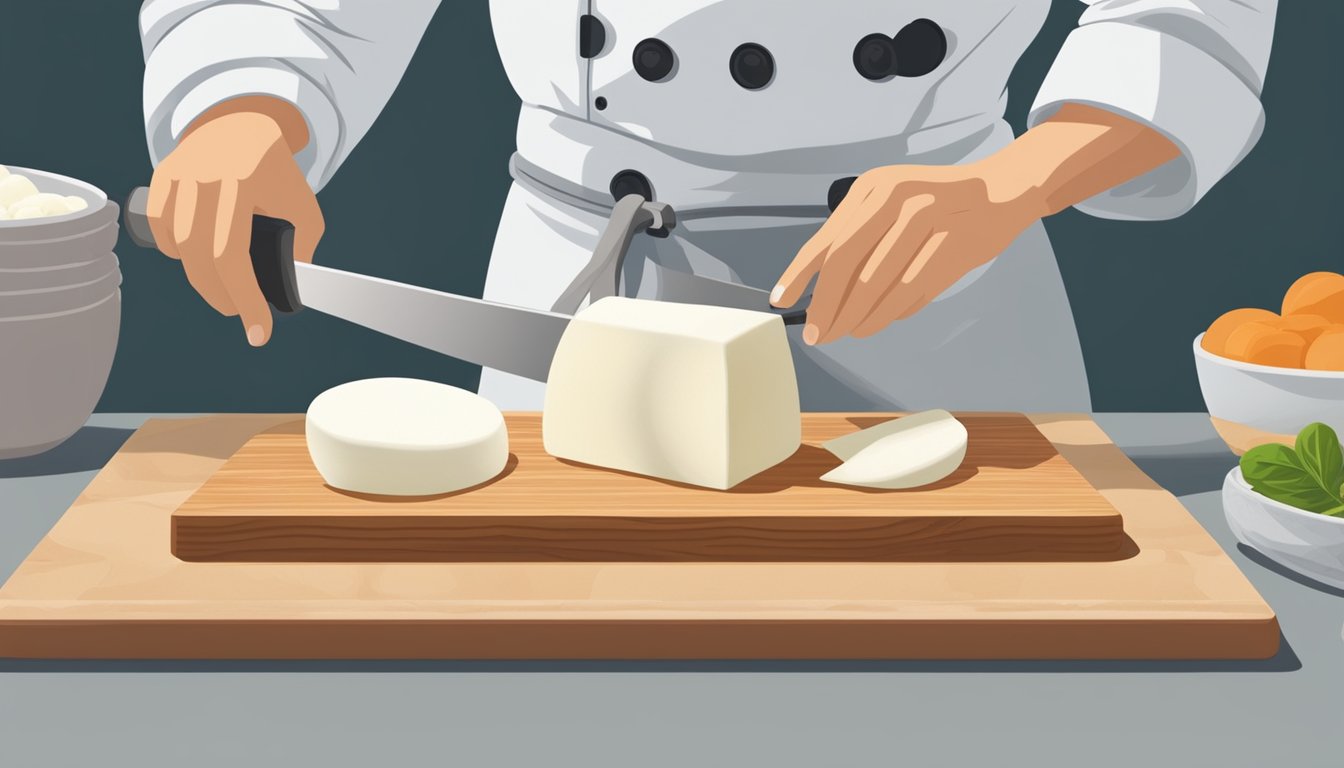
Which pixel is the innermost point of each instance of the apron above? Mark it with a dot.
(741, 147)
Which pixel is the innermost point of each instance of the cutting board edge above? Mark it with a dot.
(1191, 640)
(277, 538)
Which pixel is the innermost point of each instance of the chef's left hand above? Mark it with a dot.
(902, 235)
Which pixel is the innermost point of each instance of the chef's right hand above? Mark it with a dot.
(235, 160)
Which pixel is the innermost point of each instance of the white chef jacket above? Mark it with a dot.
(749, 169)
(1191, 69)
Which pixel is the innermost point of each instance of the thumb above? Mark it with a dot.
(309, 227)
(284, 193)
(302, 210)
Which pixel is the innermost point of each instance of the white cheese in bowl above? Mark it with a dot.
(405, 437)
(14, 187)
(20, 199)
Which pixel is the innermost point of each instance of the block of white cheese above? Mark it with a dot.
(683, 392)
(908, 452)
(405, 437)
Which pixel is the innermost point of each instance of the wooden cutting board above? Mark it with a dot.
(1014, 497)
(103, 584)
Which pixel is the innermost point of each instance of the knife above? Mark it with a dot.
(518, 340)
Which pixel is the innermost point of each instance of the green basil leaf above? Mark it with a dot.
(1318, 449)
(1277, 472)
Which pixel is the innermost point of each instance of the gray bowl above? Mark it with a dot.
(46, 301)
(57, 341)
(1307, 542)
(65, 359)
(16, 280)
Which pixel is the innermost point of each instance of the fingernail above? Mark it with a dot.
(811, 333)
(776, 294)
(256, 335)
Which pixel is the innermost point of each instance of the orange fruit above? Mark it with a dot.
(1215, 339)
(1306, 326)
(1263, 344)
(1326, 353)
(1318, 293)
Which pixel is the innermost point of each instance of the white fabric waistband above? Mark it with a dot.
(562, 150)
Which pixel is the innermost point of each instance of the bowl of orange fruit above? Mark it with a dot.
(1265, 375)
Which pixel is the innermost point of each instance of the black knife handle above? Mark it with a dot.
(272, 250)
(273, 262)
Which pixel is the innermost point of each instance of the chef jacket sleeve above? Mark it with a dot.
(1191, 70)
(337, 62)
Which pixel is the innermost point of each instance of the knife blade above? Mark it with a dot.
(514, 339)
(510, 338)
(690, 288)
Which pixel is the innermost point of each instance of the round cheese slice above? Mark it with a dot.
(405, 437)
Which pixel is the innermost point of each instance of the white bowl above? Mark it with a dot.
(59, 366)
(1255, 404)
(1307, 542)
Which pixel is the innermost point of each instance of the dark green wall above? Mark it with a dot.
(1140, 291)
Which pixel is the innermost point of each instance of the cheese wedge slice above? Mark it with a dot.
(907, 452)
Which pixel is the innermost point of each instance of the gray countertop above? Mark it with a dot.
(1285, 710)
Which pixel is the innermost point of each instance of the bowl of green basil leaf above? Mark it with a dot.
(1288, 503)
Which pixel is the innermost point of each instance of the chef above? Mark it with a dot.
(850, 155)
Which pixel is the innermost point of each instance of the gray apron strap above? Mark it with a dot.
(601, 277)
(632, 214)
